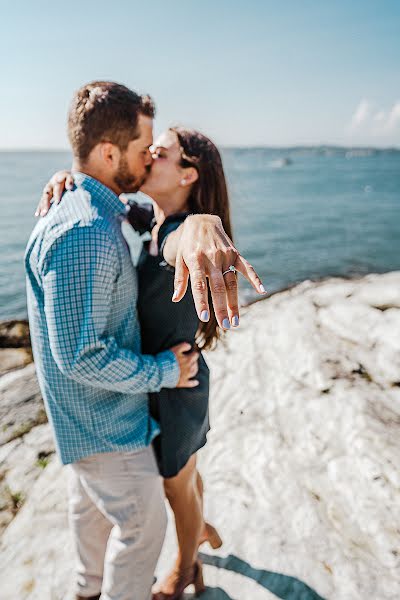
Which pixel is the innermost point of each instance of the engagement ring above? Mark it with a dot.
(230, 270)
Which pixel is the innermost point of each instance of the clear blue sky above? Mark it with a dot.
(252, 72)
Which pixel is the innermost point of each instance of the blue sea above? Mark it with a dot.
(298, 213)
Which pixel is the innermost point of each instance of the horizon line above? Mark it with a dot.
(235, 147)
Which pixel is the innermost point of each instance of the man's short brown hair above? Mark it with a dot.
(104, 111)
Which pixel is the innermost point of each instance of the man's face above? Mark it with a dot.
(166, 172)
(135, 163)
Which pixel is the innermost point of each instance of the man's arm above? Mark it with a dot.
(201, 248)
(78, 274)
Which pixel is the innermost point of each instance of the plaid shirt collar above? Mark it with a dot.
(102, 194)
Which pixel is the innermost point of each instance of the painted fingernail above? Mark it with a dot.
(37, 213)
(262, 289)
(175, 295)
(43, 212)
(204, 315)
(235, 321)
(226, 324)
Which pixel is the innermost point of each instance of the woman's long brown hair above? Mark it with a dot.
(208, 195)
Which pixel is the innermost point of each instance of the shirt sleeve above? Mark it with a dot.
(79, 274)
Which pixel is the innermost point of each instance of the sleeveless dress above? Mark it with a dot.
(181, 412)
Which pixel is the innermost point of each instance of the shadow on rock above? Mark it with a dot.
(283, 586)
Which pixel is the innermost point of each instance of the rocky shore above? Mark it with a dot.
(301, 469)
(15, 350)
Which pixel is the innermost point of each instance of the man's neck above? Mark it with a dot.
(92, 171)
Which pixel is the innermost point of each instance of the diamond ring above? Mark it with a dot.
(230, 270)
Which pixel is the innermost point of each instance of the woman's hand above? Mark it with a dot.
(53, 190)
(201, 248)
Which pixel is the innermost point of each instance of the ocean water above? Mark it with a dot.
(298, 213)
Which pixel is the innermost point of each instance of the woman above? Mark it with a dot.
(186, 177)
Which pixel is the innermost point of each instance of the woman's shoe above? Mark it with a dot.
(211, 535)
(176, 583)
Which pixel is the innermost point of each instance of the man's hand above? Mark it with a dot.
(188, 364)
(204, 251)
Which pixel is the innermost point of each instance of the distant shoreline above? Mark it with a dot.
(289, 148)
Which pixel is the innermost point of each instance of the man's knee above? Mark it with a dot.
(157, 513)
(163, 519)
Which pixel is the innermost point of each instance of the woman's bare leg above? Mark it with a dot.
(185, 499)
(200, 487)
(209, 533)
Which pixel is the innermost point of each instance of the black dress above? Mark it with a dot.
(181, 412)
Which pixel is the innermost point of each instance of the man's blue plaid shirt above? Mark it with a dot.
(82, 292)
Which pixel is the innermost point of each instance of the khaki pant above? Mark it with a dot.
(118, 519)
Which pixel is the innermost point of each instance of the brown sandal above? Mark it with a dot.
(211, 535)
(178, 580)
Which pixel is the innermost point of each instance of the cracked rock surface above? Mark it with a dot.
(301, 469)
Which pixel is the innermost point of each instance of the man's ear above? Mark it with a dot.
(190, 175)
(109, 154)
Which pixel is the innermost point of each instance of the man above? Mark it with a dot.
(82, 293)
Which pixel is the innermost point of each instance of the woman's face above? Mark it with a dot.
(166, 172)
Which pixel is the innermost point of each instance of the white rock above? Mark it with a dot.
(302, 466)
(21, 404)
(21, 463)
